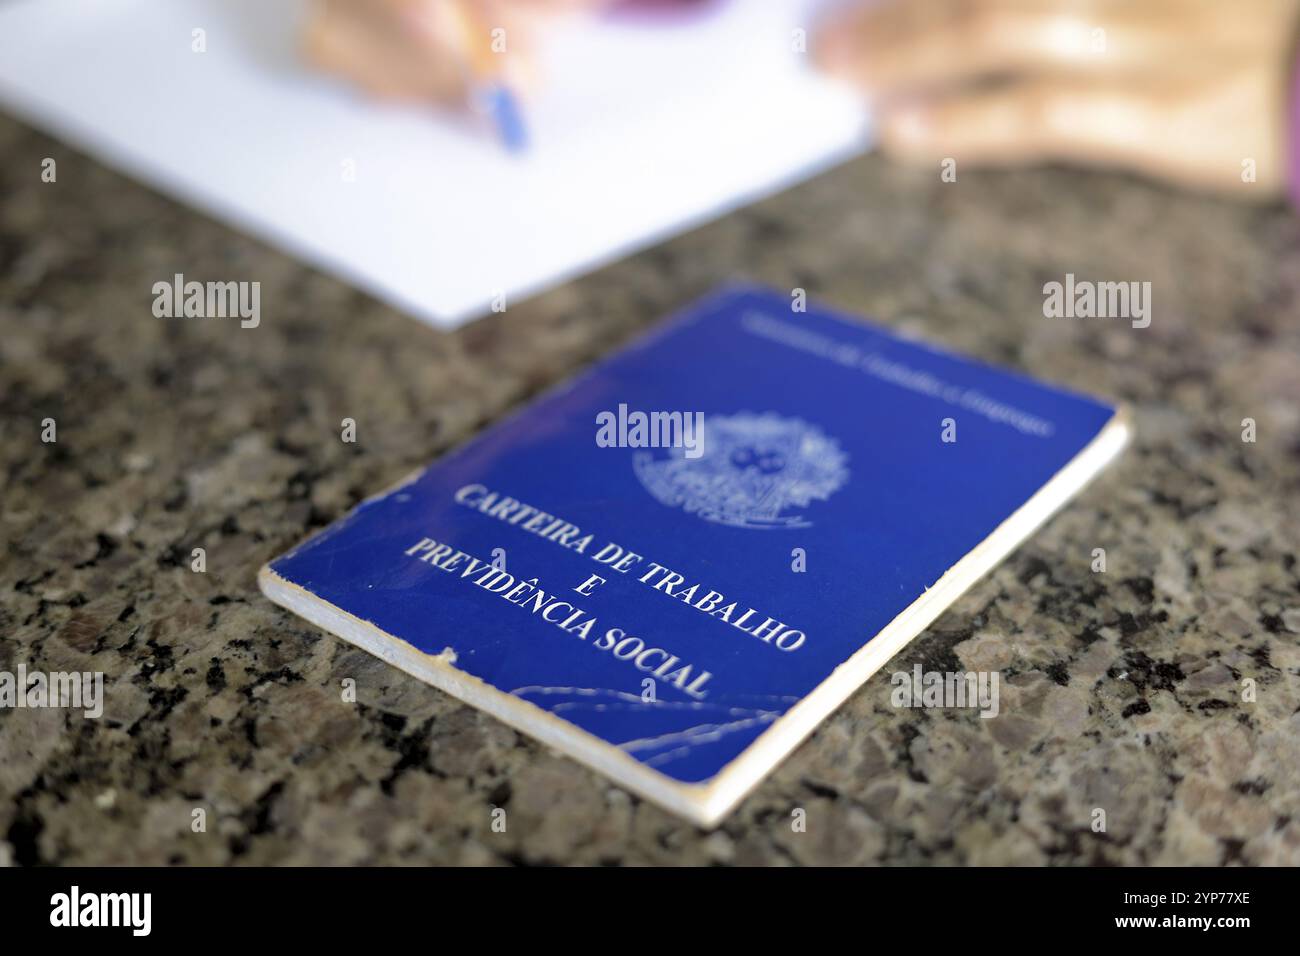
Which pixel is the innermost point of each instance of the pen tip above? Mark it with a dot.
(504, 109)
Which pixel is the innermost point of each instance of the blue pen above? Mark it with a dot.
(488, 88)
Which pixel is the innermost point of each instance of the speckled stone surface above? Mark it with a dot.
(1122, 690)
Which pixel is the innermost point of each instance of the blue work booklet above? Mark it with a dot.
(674, 566)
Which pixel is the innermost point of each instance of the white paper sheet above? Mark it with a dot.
(642, 129)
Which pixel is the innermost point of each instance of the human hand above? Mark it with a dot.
(414, 50)
(1195, 91)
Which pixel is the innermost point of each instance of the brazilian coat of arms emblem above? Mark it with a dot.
(755, 469)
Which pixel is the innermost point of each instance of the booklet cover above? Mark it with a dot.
(674, 566)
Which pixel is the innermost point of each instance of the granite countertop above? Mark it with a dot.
(1121, 690)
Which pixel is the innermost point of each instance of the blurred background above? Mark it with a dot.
(445, 154)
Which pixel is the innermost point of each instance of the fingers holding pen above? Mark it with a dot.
(423, 50)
